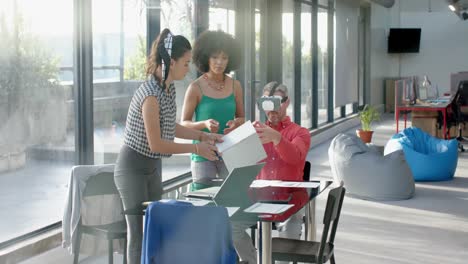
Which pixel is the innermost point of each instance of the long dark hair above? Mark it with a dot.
(180, 45)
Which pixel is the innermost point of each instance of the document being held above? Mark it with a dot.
(241, 147)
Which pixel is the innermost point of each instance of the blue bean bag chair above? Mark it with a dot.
(429, 158)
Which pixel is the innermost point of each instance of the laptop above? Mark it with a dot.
(233, 191)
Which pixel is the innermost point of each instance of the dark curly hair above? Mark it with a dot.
(213, 42)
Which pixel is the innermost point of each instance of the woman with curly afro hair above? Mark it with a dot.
(214, 98)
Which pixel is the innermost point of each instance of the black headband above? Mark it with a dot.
(273, 89)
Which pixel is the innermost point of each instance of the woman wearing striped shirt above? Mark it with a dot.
(150, 130)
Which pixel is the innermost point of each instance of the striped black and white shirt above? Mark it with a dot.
(135, 135)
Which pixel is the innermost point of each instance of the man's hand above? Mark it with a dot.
(212, 125)
(267, 134)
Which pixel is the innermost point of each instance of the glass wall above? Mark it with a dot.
(222, 16)
(119, 57)
(322, 40)
(288, 52)
(177, 16)
(37, 143)
(306, 66)
(260, 67)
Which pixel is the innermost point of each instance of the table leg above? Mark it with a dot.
(405, 115)
(264, 247)
(310, 229)
(397, 118)
(444, 113)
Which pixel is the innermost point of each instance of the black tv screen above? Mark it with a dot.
(404, 40)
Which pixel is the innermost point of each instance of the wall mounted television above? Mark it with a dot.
(404, 40)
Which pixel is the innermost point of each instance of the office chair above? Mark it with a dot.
(459, 118)
(179, 232)
(306, 178)
(295, 250)
(102, 184)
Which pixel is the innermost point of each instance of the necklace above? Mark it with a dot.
(217, 85)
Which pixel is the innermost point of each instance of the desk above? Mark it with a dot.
(300, 197)
(427, 107)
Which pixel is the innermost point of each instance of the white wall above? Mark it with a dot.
(444, 42)
(443, 49)
(381, 62)
(346, 52)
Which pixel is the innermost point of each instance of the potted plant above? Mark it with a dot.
(367, 115)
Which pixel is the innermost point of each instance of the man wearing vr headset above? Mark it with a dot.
(286, 144)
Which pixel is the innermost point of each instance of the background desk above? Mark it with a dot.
(424, 108)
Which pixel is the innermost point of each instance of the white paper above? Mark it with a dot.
(241, 147)
(276, 183)
(262, 183)
(268, 208)
(236, 136)
(232, 210)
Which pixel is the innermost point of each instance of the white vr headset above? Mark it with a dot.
(271, 102)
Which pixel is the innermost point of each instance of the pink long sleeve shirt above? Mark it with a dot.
(286, 160)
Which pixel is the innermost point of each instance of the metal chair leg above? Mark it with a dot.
(125, 252)
(111, 251)
(76, 254)
(332, 259)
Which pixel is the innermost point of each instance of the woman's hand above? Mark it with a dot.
(212, 125)
(211, 138)
(207, 151)
(267, 134)
(230, 126)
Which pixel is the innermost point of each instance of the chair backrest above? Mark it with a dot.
(463, 92)
(306, 175)
(331, 217)
(100, 184)
(178, 232)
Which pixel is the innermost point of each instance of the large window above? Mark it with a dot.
(177, 16)
(37, 142)
(260, 54)
(322, 40)
(306, 66)
(119, 57)
(288, 52)
(222, 16)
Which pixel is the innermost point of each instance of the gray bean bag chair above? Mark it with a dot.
(367, 174)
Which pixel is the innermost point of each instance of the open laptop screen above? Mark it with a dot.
(233, 191)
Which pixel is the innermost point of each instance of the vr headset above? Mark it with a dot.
(270, 102)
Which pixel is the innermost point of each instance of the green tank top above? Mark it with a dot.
(219, 109)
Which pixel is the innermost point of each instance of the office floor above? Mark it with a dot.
(430, 228)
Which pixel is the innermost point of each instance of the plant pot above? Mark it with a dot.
(366, 136)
